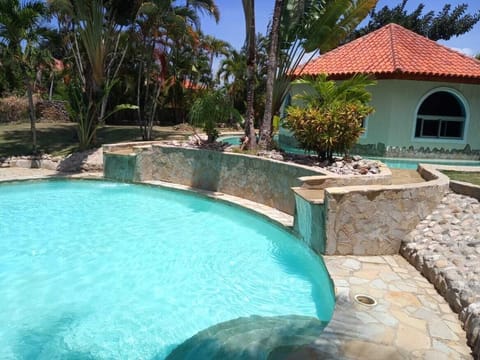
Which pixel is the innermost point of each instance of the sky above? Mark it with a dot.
(232, 25)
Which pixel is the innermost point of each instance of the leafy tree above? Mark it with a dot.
(215, 47)
(307, 28)
(331, 121)
(440, 26)
(21, 31)
(232, 74)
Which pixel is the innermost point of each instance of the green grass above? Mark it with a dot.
(61, 139)
(470, 177)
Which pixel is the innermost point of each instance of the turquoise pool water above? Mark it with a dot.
(99, 270)
(394, 163)
(412, 164)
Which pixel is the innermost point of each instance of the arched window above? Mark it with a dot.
(441, 115)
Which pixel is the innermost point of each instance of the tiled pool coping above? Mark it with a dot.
(410, 320)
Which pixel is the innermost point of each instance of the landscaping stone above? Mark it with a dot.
(445, 248)
(82, 161)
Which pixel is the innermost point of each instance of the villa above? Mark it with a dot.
(427, 97)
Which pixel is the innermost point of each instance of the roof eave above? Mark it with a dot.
(407, 76)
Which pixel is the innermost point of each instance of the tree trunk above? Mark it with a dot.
(249, 8)
(266, 126)
(33, 118)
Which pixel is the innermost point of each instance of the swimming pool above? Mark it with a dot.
(394, 163)
(100, 270)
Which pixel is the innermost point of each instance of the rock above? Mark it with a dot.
(446, 248)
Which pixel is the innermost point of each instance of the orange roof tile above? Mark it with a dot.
(395, 52)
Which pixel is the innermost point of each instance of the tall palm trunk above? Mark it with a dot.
(249, 10)
(33, 117)
(266, 126)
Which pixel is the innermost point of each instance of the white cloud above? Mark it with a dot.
(466, 51)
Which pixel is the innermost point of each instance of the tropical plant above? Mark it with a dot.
(441, 26)
(95, 47)
(215, 48)
(331, 121)
(211, 109)
(21, 31)
(307, 28)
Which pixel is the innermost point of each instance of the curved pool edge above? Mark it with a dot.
(272, 215)
(282, 224)
(268, 213)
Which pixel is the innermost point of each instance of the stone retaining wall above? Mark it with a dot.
(254, 178)
(354, 217)
(373, 220)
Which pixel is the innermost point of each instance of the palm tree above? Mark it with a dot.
(215, 47)
(166, 36)
(310, 27)
(21, 30)
(266, 126)
(231, 74)
(249, 12)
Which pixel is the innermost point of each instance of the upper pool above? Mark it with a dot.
(395, 163)
(99, 270)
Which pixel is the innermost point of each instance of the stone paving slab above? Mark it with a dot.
(20, 174)
(410, 320)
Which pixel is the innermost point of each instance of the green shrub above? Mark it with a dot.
(327, 130)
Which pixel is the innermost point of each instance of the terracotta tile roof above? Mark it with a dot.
(395, 52)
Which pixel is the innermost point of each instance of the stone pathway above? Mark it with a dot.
(445, 247)
(410, 321)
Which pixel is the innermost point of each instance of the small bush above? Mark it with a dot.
(327, 130)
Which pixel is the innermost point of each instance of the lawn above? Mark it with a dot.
(61, 138)
(470, 177)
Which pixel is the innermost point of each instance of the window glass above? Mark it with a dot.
(441, 115)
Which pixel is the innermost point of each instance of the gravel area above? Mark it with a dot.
(445, 247)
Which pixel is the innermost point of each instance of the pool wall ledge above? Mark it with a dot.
(264, 181)
(364, 219)
(334, 215)
(461, 187)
